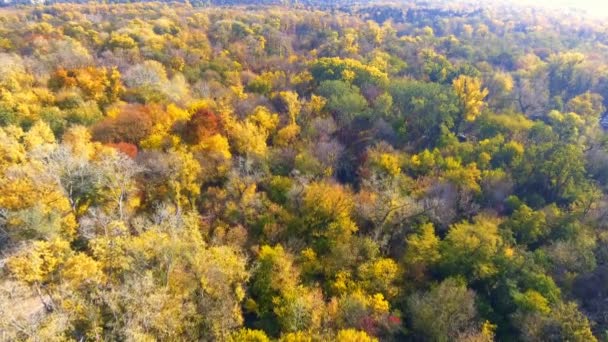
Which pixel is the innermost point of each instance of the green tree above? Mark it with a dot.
(444, 313)
(343, 100)
(423, 109)
(527, 225)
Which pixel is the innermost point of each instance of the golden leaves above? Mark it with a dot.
(470, 95)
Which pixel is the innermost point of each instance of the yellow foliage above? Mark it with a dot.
(487, 330)
(380, 276)
(348, 75)
(81, 270)
(484, 160)
(349, 40)
(504, 80)
(302, 77)
(329, 206)
(300, 308)
(183, 182)
(470, 95)
(374, 306)
(423, 248)
(201, 104)
(11, 150)
(390, 163)
(334, 67)
(39, 261)
(69, 225)
(247, 137)
(423, 162)
(110, 251)
(79, 139)
(174, 114)
(115, 87)
(264, 119)
(316, 104)
(471, 247)
(380, 60)
(352, 335)
(309, 261)
(113, 111)
(123, 41)
(239, 91)
(214, 156)
(249, 194)
(159, 138)
(215, 144)
(532, 300)
(343, 283)
(299, 336)
(287, 135)
(464, 177)
(248, 335)
(292, 101)
(16, 193)
(38, 135)
(378, 304)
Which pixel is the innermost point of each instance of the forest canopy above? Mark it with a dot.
(302, 172)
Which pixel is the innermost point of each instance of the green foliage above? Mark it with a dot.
(445, 312)
(527, 225)
(423, 109)
(436, 67)
(349, 70)
(343, 100)
(551, 171)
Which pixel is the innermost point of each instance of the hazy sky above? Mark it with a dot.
(597, 7)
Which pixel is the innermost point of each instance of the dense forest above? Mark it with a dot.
(375, 172)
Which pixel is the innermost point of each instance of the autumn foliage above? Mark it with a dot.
(132, 123)
(302, 171)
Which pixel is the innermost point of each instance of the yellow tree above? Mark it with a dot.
(380, 276)
(327, 210)
(422, 251)
(183, 181)
(250, 136)
(248, 335)
(39, 135)
(78, 139)
(291, 102)
(11, 150)
(35, 203)
(117, 182)
(213, 153)
(352, 335)
(471, 97)
(38, 266)
(161, 135)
